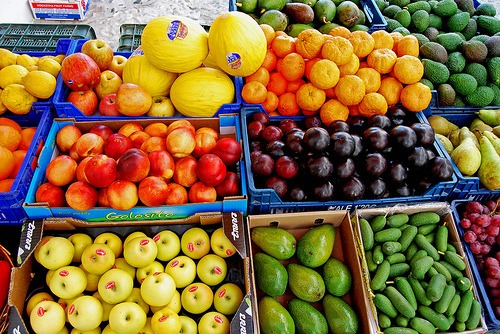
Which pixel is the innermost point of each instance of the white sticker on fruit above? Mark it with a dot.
(177, 30)
(233, 60)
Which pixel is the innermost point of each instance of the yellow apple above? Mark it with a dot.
(228, 298)
(220, 244)
(122, 264)
(112, 240)
(211, 269)
(92, 280)
(136, 297)
(158, 289)
(85, 313)
(117, 64)
(195, 243)
(150, 269)
(106, 307)
(127, 318)
(80, 241)
(98, 258)
(36, 298)
(68, 282)
(188, 325)
(168, 243)
(54, 252)
(166, 321)
(47, 317)
(140, 251)
(182, 269)
(115, 286)
(213, 323)
(196, 298)
(133, 235)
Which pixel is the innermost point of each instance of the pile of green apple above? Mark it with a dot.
(163, 283)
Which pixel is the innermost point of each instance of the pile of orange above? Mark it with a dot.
(14, 144)
(337, 74)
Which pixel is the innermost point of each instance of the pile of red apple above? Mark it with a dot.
(163, 283)
(155, 165)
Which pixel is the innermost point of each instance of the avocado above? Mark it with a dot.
(456, 62)
(481, 97)
(488, 24)
(436, 72)
(381, 4)
(496, 91)
(265, 5)
(403, 17)
(247, 6)
(458, 21)
(431, 33)
(391, 10)
(474, 51)
(420, 20)
(470, 29)
(337, 277)
(316, 245)
(307, 2)
(275, 18)
(324, 11)
(299, 12)
(493, 46)
(435, 21)
(446, 95)
(393, 25)
(463, 83)
(361, 17)
(422, 39)
(434, 51)
(340, 316)
(445, 8)
(347, 14)
(482, 38)
(466, 6)
(275, 241)
(459, 102)
(305, 283)
(427, 82)
(274, 318)
(486, 9)
(450, 40)
(403, 31)
(400, 3)
(478, 71)
(418, 5)
(326, 28)
(493, 67)
(308, 320)
(270, 274)
(295, 29)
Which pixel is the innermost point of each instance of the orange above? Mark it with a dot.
(371, 79)
(330, 93)
(340, 31)
(408, 69)
(283, 45)
(27, 135)
(261, 75)
(309, 43)
(268, 32)
(372, 104)
(270, 60)
(310, 97)
(350, 90)
(293, 86)
(416, 97)
(363, 64)
(382, 60)
(293, 66)
(351, 67)
(254, 92)
(396, 37)
(309, 65)
(287, 104)
(19, 156)
(383, 40)
(337, 49)
(7, 162)
(391, 89)
(362, 42)
(333, 110)
(277, 83)
(324, 74)
(5, 185)
(9, 122)
(271, 102)
(353, 110)
(408, 45)
(9, 137)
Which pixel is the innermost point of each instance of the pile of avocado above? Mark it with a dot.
(294, 16)
(459, 47)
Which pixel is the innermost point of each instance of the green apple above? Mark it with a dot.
(94, 331)
(66, 302)
(136, 297)
(92, 280)
(188, 325)
(98, 258)
(220, 244)
(133, 235)
(166, 321)
(85, 313)
(122, 264)
(228, 298)
(213, 323)
(175, 303)
(147, 329)
(211, 269)
(182, 269)
(80, 241)
(158, 289)
(115, 286)
(150, 269)
(36, 298)
(48, 276)
(106, 307)
(54, 252)
(108, 330)
(127, 318)
(47, 317)
(168, 243)
(112, 240)
(195, 243)
(140, 251)
(197, 297)
(68, 282)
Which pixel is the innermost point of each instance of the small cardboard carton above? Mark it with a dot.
(59, 9)
(28, 276)
(344, 250)
(441, 208)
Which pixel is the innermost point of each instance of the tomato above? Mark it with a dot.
(4, 281)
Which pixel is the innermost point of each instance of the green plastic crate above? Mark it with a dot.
(40, 37)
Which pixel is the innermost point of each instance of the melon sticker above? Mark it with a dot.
(233, 60)
(177, 30)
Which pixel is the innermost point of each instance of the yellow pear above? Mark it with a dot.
(40, 84)
(7, 58)
(17, 99)
(12, 74)
(49, 65)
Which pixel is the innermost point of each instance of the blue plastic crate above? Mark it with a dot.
(68, 110)
(458, 206)
(266, 200)
(11, 203)
(438, 109)
(466, 186)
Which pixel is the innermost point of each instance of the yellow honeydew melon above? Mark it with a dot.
(138, 70)
(201, 92)
(237, 43)
(174, 43)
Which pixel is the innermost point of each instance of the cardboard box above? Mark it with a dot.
(29, 276)
(226, 125)
(344, 250)
(441, 208)
(59, 9)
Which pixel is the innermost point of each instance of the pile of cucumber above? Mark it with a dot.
(417, 278)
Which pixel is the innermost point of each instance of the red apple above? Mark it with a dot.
(116, 145)
(86, 101)
(101, 170)
(101, 130)
(80, 72)
(133, 100)
(99, 50)
(230, 186)
(109, 83)
(107, 105)
(162, 164)
(229, 150)
(117, 64)
(133, 165)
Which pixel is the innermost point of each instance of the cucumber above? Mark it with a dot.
(381, 275)
(474, 316)
(437, 319)
(463, 283)
(411, 250)
(431, 272)
(372, 266)
(423, 243)
(378, 223)
(442, 270)
(427, 229)
(455, 260)
(401, 321)
(421, 266)
(384, 305)
(418, 255)
(419, 291)
(465, 306)
(388, 234)
(451, 248)
(442, 238)
(378, 255)
(383, 320)
(453, 306)
(391, 247)
(399, 302)
(366, 234)
(407, 237)
(424, 218)
(398, 269)
(406, 290)
(422, 325)
(396, 258)
(399, 330)
(397, 219)
(442, 305)
(460, 326)
(454, 272)
(436, 287)
(430, 237)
